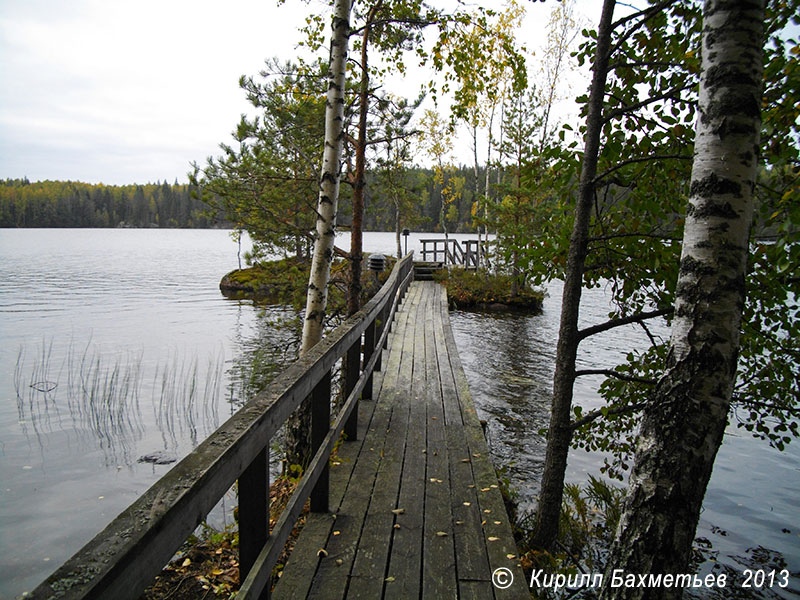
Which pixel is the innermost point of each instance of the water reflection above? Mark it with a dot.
(98, 400)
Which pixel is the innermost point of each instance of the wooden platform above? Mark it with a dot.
(415, 507)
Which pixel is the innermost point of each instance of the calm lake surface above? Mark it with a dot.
(117, 344)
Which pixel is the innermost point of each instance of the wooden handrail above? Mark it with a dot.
(124, 558)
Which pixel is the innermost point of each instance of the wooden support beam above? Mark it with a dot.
(320, 424)
(352, 372)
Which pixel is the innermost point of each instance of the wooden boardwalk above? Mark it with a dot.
(415, 509)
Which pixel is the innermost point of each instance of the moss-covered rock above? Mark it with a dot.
(280, 281)
(285, 282)
(482, 291)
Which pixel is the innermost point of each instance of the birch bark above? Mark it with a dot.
(682, 429)
(298, 426)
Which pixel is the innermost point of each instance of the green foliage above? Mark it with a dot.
(641, 191)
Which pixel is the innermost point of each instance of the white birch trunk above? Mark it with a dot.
(325, 235)
(683, 427)
(298, 429)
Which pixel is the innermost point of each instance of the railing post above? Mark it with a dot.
(253, 513)
(352, 373)
(369, 349)
(384, 316)
(320, 425)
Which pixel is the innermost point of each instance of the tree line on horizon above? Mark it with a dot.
(74, 204)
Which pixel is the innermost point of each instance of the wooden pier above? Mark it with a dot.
(415, 509)
(408, 507)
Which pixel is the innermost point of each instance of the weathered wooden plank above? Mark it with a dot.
(477, 590)
(452, 406)
(299, 572)
(468, 536)
(424, 454)
(403, 574)
(343, 543)
(368, 573)
(438, 558)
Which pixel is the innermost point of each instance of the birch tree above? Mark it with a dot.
(325, 233)
(683, 427)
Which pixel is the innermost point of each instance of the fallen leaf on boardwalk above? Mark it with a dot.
(485, 489)
(498, 522)
(487, 511)
(465, 460)
(339, 562)
(476, 455)
(467, 503)
(471, 486)
(483, 522)
(399, 511)
(389, 579)
(511, 556)
(441, 533)
(396, 526)
(435, 418)
(336, 532)
(493, 539)
(322, 552)
(494, 485)
(459, 522)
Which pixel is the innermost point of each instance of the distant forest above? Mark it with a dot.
(74, 204)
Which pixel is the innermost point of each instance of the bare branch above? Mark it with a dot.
(584, 333)
(637, 105)
(615, 375)
(613, 411)
(639, 159)
(635, 234)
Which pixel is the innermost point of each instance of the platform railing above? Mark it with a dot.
(124, 558)
(450, 251)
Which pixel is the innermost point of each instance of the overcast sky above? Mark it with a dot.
(117, 91)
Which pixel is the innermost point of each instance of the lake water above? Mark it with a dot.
(117, 344)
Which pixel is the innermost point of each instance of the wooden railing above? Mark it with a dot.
(125, 557)
(452, 252)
